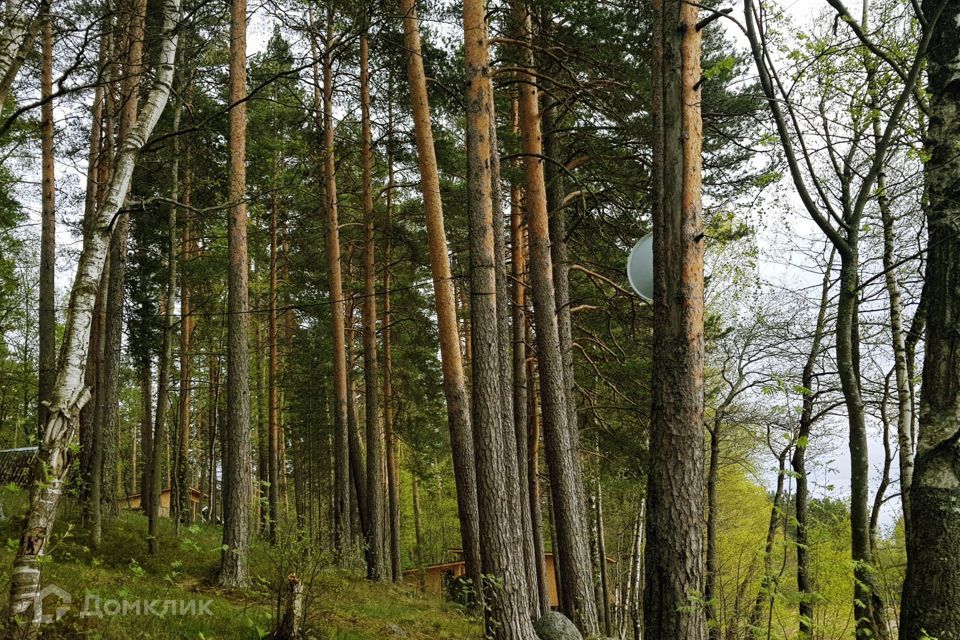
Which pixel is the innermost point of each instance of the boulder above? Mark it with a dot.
(556, 626)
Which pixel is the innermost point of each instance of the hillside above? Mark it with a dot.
(124, 579)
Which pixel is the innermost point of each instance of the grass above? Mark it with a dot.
(341, 605)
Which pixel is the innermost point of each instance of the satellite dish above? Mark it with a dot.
(640, 267)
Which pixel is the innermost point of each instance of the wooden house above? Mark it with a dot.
(438, 578)
(133, 501)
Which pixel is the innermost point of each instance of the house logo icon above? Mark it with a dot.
(59, 598)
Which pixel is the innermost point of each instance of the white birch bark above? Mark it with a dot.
(16, 20)
(69, 392)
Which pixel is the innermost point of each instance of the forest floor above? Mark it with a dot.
(128, 587)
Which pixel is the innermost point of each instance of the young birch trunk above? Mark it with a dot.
(69, 391)
(674, 549)
(454, 386)
(505, 586)
(236, 433)
(566, 479)
(15, 34)
(376, 551)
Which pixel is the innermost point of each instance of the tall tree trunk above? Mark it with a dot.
(533, 480)
(146, 427)
(263, 436)
(799, 461)
(213, 409)
(529, 500)
(604, 604)
(182, 485)
(341, 441)
(458, 415)
(635, 597)
(95, 477)
(166, 354)
(867, 607)
(113, 330)
(48, 224)
(768, 585)
(273, 398)
(418, 531)
(358, 473)
(674, 549)
(710, 587)
(931, 593)
(905, 441)
(376, 551)
(505, 586)
(236, 455)
(566, 480)
(69, 393)
(390, 440)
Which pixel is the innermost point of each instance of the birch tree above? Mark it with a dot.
(69, 394)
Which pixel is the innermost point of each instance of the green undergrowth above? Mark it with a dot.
(130, 588)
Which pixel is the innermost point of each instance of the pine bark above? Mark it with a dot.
(390, 441)
(236, 454)
(566, 480)
(375, 536)
(458, 415)
(505, 587)
(674, 548)
(526, 466)
(931, 592)
(337, 310)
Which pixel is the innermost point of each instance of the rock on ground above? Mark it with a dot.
(556, 626)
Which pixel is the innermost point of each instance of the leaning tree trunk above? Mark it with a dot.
(674, 549)
(931, 592)
(454, 385)
(69, 392)
(505, 583)
(236, 433)
(15, 34)
(566, 481)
